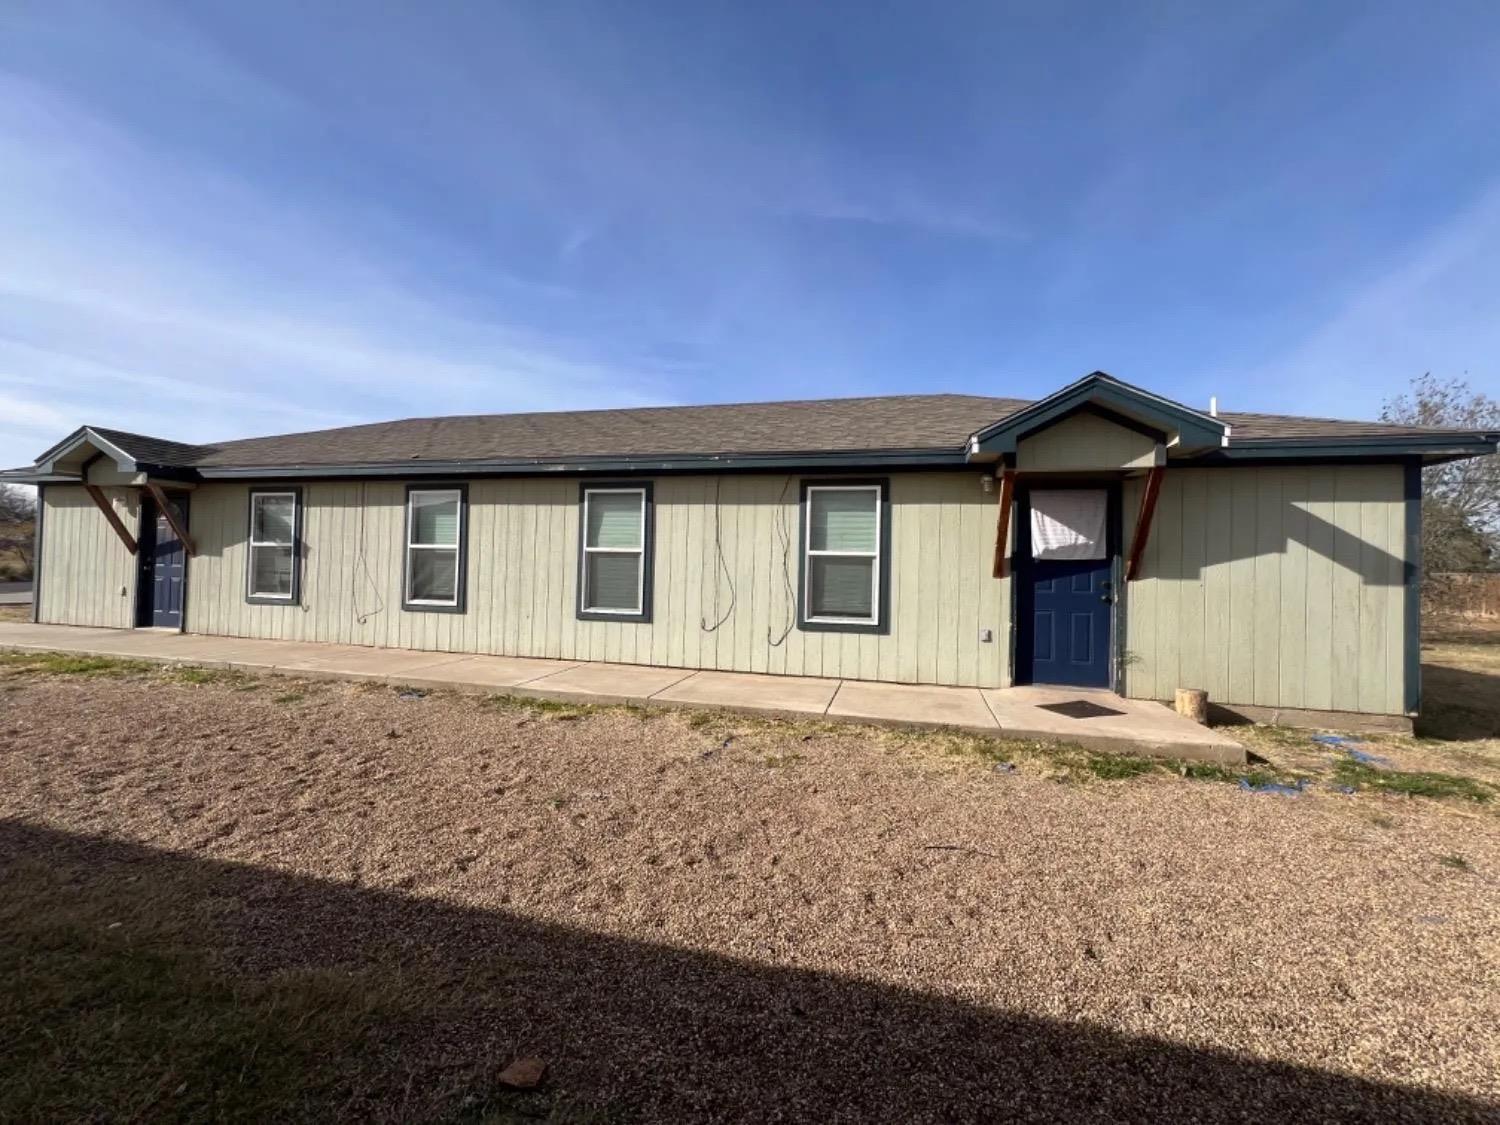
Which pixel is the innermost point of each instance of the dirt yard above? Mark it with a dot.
(251, 898)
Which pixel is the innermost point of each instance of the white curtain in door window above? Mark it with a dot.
(1069, 523)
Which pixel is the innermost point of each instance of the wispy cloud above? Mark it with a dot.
(1435, 307)
(150, 292)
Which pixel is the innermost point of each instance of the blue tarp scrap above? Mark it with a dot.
(1351, 746)
(1292, 790)
(1337, 740)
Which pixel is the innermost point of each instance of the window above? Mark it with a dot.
(615, 555)
(435, 549)
(272, 568)
(843, 543)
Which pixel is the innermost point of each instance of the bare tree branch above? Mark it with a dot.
(1460, 500)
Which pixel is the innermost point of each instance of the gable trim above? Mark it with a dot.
(1188, 427)
(124, 461)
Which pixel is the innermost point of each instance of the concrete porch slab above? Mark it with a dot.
(605, 683)
(496, 671)
(378, 663)
(749, 691)
(1138, 726)
(23, 634)
(913, 705)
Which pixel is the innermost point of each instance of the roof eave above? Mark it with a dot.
(1432, 448)
(538, 466)
(32, 476)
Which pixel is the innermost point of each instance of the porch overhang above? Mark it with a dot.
(1183, 431)
(79, 457)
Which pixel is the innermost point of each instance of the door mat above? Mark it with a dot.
(1080, 709)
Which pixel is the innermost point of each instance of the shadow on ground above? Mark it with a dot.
(144, 984)
(1459, 704)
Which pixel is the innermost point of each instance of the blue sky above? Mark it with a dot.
(223, 219)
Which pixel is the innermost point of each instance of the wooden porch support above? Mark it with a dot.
(1143, 523)
(167, 510)
(1002, 522)
(96, 494)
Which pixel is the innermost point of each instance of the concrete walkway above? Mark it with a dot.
(1132, 725)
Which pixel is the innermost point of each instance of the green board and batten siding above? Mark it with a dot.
(523, 576)
(1279, 587)
(85, 575)
(1084, 442)
(1274, 587)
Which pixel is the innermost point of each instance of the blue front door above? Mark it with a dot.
(163, 567)
(1065, 612)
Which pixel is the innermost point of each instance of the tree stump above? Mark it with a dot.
(1192, 703)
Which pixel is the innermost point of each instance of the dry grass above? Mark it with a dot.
(15, 613)
(233, 897)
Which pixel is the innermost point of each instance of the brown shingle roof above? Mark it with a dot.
(905, 422)
(1288, 427)
(150, 450)
(938, 422)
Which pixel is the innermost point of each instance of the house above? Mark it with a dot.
(1103, 536)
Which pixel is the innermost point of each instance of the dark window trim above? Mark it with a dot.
(882, 625)
(36, 555)
(648, 550)
(462, 577)
(1412, 577)
(297, 544)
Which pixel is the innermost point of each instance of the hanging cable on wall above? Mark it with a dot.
(784, 533)
(723, 563)
(363, 563)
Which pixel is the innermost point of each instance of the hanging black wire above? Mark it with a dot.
(364, 563)
(784, 533)
(723, 563)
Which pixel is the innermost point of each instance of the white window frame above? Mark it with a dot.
(875, 571)
(457, 547)
(250, 590)
(639, 552)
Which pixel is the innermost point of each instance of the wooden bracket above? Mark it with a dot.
(167, 510)
(1143, 523)
(1002, 521)
(96, 494)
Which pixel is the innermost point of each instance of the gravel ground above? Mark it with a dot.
(704, 917)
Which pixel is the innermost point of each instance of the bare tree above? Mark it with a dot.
(1460, 500)
(17, 513)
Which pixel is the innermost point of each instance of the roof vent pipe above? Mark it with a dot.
(1213, 406)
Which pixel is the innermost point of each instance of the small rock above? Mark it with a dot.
(523, 1074)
